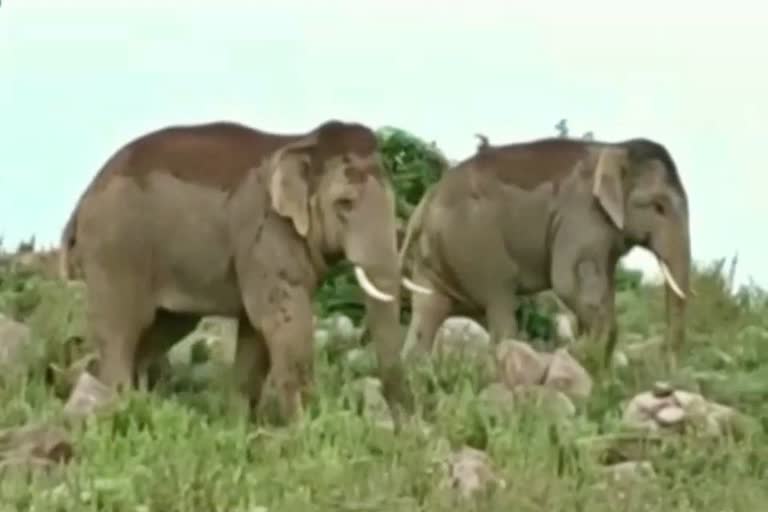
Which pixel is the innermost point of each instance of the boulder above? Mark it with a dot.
(519, 364)
(469, 471)
(89, 396)
(567, 375)
(34, 446)
(668, 410)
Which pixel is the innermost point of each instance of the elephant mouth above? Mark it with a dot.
(368, 287)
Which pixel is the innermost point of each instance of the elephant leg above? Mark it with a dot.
(285, 319)
(167, 329)
(500, 316)
(589, 292)
(251, 362)
(118, 313)
(428, 312)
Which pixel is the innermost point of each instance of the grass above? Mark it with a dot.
(182, 448)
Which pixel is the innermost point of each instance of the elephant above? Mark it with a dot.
(224, 219)
(548, 214)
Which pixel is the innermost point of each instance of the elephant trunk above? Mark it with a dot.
(675, 263)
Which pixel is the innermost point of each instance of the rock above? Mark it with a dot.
(375, 406)
(14, 340)
(336, 333)
(546, 400)
(640, 412)
(518, 364)
(88, 396)
(460, 334)
(678, 411)
(497, 396)
(620, 359)
(565, 328)
(630, 471)
(469, 471)
(361, 361)
(567, 375)
(35, 446)
(670, 416)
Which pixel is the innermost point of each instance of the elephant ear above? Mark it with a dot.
(608, 187)
(289, 183)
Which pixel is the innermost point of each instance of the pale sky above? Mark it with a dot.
(78, 79)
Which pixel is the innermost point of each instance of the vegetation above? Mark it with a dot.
(182, 448)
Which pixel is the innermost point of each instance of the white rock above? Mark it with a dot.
(458, 334)
(565, 330)
(89, 395)
(670, 416)
(567, 375)
(630, 471)
(470, 471)
(518, 364)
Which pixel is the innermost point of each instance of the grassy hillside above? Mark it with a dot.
(186, 447)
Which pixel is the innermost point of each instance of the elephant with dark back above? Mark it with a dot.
(551, 214)
(223, 219)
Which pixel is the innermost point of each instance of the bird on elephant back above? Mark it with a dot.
(223, 219)
(550, 214)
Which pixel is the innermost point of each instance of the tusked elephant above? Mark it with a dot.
(223, 219)
(549, 214)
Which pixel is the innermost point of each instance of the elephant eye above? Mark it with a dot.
(345, 204)
(659, 208)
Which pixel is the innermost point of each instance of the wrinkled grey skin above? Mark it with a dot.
(550, 214)
(222, 219)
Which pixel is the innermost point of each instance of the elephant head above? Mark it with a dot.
(332, 186)
(637, 185)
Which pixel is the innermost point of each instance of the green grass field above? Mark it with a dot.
(183, 448)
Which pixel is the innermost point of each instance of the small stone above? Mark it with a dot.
(662, 389)
(564, 328)
(361, 361)
(343, 327)
(620, 359)
(640, 412)
(470, 471)
(630, 471)
(670, 416)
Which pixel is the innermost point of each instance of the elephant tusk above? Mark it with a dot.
(415, 287)
(369, 287)
(671, 280)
